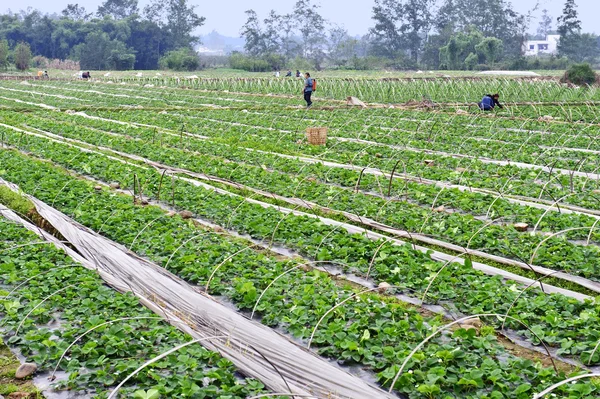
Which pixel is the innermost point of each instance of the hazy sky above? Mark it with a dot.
(227, 16)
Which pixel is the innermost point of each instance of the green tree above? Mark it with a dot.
(400, 25)
(146, 40)
(573, 44)
(491, 49)
(471, 61)
(459, 47)
(181, 22)
(312, 31)
(569, 29)
(75, 12)
(22, 56)
(99, 52)
(253, 35)
(545, 26)
(178, 20)
(4, 54)
(493, 18)
(569, 23)
(287, 29)
(118, 9)
(342, 48)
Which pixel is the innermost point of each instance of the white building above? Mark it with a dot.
(539, 47)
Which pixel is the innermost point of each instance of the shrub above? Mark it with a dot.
(580, 74)
(22, 56)
(40, 62)
(180, 60)
(4, 54)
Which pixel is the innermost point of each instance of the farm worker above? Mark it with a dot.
(489, 102)
(277, 74)
(40, 74)
(288, 74)
(46, 75)
(297, 73)
(86, 75)
(308, 89)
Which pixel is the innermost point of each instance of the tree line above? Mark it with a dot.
(435, 34)
(117, 36)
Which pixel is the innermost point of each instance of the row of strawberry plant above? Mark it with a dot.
(53, 300)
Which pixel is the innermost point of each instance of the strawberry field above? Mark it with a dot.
(428, 250)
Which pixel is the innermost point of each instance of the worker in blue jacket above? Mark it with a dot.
(489, 102)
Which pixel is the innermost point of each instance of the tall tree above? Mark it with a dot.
(568, 22)
(75, 12)
(545, 26)
(253, 35)
(179, 19)
(569, 29)
(22, 56)
(272, 37)
(118, 9)
(401, 25)
(342, 47)
(311, 26)
(287, 28)
(100, 52)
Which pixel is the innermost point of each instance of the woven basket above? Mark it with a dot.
(316, 135)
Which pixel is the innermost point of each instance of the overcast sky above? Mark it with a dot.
(227, 16)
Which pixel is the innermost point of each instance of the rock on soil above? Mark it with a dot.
(472, 323)
(383, 287)
(186, 214)
(20, 395)
(25, 370)
(521, 226)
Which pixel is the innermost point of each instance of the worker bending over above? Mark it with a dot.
(489, 102)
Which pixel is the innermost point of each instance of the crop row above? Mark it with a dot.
(393, 91)
(54, 300)
(92, 95)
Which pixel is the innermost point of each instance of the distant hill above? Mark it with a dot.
(216, 44)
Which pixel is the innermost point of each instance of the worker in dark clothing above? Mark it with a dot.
(489, 102)
(298, 73)
(86, 75)
(288, 74)
(308, 90)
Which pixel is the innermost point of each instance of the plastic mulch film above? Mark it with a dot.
(289, 368)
